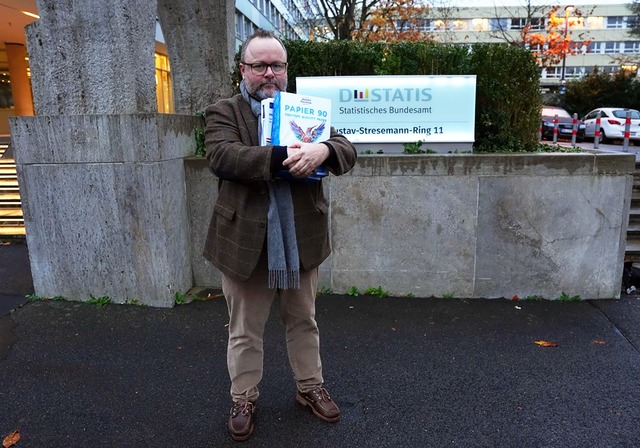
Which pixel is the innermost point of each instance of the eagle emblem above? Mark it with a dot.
(311, 135)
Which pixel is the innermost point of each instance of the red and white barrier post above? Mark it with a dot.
(555, 129)
(596, 135)
(627, 128)
(574, 131)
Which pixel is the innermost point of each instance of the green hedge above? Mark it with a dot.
(507, 91)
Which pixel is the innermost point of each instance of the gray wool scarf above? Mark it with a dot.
(282, 246)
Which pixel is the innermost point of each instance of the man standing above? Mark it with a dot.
(268, 236)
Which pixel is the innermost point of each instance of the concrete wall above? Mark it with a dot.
(104, 204)
(473, 226)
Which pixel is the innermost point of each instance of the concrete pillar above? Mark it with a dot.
(20, 84)
(201, 43)
(100, 171)
(93, 57)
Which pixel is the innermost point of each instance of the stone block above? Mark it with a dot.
(406, 234)
(103, 138)
(104, 201)
(547, 235)
(108, 229)
(474, 225)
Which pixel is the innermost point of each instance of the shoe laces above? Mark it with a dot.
(321, 394)
(242, 407)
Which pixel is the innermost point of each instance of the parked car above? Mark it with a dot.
(612, 121)
(565, 124)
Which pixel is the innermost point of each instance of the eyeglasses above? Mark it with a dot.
(260, 68)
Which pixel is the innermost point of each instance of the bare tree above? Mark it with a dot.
(345, 16)
(529, 18)
(442, 13)
(549, 32)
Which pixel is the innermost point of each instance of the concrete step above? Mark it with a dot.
(634, 216)
(7, 183)
(633, 230)
(11, 217)
(12, 231)
(632, 251)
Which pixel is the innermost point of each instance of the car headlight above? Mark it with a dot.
(582, 126)
(548, 123)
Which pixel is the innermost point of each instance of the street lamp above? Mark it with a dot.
(567, 12)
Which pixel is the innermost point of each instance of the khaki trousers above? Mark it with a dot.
(249, 304)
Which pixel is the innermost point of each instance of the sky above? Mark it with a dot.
(483, 3)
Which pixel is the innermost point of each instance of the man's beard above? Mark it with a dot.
(262, 94)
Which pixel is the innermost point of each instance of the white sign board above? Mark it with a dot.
(397, 109)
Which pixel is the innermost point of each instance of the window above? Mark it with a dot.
(576, 23)
(498, 24)
(613, 47)
(616, 22)
(6, 98)
(239, 24)
(537, 23)
(248, 28)
(594, 47)
(460, 25)
(595, 23)
(440, 25)
(534, 23)
(480, 24)
(632, 47)
(537, 48)
(164, 91)
(519, 23)
(425, 25)
(622, 113)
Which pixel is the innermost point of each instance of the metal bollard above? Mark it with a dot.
(596, 134)
(540, 132)
(574, 131)
(627, 128)
(555, 129)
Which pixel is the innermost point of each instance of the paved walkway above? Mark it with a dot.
(406, 372)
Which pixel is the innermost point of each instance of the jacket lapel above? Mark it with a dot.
(250, 120)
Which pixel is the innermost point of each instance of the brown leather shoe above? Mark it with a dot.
(241, 421)
(321, 404)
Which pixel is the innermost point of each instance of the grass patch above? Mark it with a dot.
(377, 292)
(564, 297)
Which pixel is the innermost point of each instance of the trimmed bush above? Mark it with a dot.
(508, 96)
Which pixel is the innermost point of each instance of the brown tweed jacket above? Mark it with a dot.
(237, 232)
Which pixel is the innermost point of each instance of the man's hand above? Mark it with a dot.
(304, 158)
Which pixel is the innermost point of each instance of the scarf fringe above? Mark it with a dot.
(281, 279)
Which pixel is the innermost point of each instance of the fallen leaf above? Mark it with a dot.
(518, 307)
(212, 296)
(11, 439)
(393, 328)
(598, 341)
(546, 343)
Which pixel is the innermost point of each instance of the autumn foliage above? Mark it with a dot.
(552, 44)
(393, 21)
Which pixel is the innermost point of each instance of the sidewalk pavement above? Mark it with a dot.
(405, 372)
